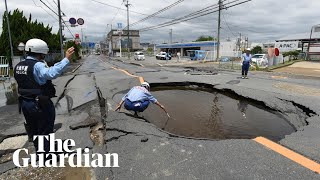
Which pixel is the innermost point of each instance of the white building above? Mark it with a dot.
(228, 49)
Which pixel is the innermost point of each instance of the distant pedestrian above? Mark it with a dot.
(138, 99)
(178, 56)
(167, 57)
(246, 63)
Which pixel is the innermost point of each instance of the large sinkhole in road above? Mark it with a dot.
(206, 113)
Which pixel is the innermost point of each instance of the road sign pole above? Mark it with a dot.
(219, 21)
(120, 46)
(127, 5)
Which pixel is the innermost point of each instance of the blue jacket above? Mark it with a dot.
(42, 72)
(139, 93)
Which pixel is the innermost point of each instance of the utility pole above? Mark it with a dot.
(240, 41)
(9, 32)
(120, 44)
(110, 40)
(60, 30)
(86, 44)
(219, 22)
(127, 5)
(82, 40)
(247, 42)
(170, 33)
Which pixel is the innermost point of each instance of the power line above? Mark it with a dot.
(194, 15)
(126, 9)
(45, 10)
(58, 16)
(181, 19)
(184, 17)
(158, 12)
(50, 4)
(225, 21)
(49, 8)
(116, 14)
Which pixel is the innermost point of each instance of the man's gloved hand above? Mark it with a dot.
(69, 53)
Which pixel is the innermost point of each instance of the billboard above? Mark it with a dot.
(287, 46)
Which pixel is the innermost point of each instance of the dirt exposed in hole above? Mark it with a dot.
(205, 113)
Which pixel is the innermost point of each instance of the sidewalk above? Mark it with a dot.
(305, 68)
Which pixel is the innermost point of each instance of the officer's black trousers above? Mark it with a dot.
(41, 120)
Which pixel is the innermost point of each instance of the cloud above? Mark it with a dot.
(259, 20)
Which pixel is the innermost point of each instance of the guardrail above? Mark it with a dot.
(4, 67)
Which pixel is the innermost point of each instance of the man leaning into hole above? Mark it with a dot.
(138, 99)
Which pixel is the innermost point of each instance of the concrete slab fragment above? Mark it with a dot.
(14, 143)
(81, 90)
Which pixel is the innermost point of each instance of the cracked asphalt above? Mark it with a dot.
(85, 113)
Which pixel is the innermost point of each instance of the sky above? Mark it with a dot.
(259, 20)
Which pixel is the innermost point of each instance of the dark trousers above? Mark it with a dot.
(245, 69)
(40, 120)
(136, 106)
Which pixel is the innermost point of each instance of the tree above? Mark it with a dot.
(292, 54)
(23, 29)
(150, 49)
(205, 38)
(256, 50)
(77, 47)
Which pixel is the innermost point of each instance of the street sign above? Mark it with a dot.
(276, 52)
(72, 21)
(80, 21)
(119, 25)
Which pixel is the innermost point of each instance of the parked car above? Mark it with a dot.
(163, 56)
(139, 56)
(224, 59)
(197, 54)
(260, 59)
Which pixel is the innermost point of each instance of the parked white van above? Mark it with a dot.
(139, 56)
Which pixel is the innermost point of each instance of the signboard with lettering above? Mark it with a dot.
(287, 46)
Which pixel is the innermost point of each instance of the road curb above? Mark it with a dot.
(75, 69)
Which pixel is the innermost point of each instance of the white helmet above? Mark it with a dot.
(36, 46)
(248, 49)
(146, 85)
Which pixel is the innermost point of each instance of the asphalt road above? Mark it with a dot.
(167, 157)
(147, 152)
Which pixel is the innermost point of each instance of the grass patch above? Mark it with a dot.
(288, 63)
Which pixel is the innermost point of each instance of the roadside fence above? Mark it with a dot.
(4, 67)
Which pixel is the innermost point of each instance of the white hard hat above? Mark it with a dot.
(248, 49)
(145, 84)
(36, 46)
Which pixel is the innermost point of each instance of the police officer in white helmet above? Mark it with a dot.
(35, 89)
